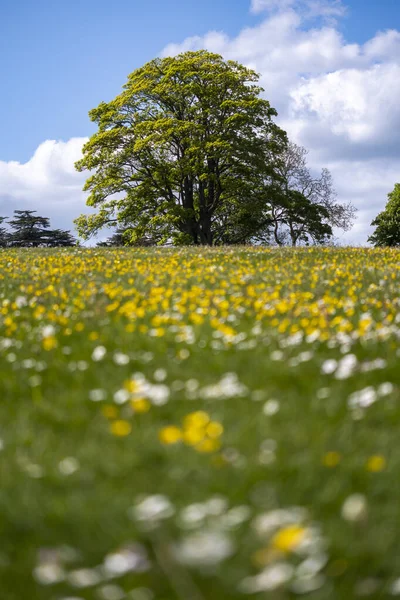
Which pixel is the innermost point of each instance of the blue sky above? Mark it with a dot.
(59, 59)
(330, 67)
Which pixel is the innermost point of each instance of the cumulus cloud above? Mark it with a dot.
(47, 183)
(338, 99)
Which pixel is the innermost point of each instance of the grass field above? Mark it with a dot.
(199, 424)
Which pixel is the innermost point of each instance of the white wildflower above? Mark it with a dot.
(355, 508)
(323, 393)
(21, 301)
(111, 592)
(385, 389)
(363, 398)
(236, 516)
(395, 588)
(97, 395)
(329, 366)
(68, 466)
(216, 505)
(48, 574)
(193, 514)
(307, 584)
(82, 578)
(271, 407)
(121, 396)
(346, 366)
(267, 523)
(160, 375)
(120, 358)
(28, 363)
(204, 548)
(99, 353)
(125, 560)
(153, 508)
(271, 578)
(48, 331)
(157, 393)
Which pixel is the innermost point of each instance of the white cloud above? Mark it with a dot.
(361, 104)
(47, 183)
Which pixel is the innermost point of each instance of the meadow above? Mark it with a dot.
(199, 424)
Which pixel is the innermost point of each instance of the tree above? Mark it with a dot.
(179, 150)
(387, 223)
(294, 208)
(305, 221)
(123, 237)
(296, 176)
(301, 208)
(30, 230)
(4, 235)
(56, 238)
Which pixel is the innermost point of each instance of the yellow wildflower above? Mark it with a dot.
(193, 436)
(208, 445)
(196, 419)
(289, 538)
(121, 428)
(49, 343)
(110, 411)
(331, 459)
(376, 463)
(140, 405)
(170, 435)
(214, 429)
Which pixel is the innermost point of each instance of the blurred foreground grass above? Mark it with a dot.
(199, 424)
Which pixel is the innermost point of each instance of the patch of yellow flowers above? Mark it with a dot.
(197, 430)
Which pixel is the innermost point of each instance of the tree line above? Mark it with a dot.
(28, 230)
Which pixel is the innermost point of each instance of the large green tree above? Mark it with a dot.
(387, 223)
(181, 149)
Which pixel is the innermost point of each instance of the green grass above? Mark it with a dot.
(176, 322)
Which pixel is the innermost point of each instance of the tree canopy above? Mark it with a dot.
(387, 223)
(181, 151)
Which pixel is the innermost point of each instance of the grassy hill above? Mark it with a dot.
(199, 424)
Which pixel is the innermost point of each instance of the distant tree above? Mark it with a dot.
(387, 223)
(297, 177)
(58, 238)
(123, 237)
(117, 239)
(305, 222)
(32, 231)
(4, 235)
(179, 149)
(28, 230)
